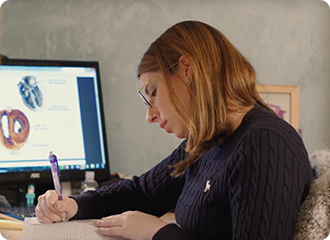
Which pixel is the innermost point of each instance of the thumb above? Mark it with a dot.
(67, 207)
(61, 206)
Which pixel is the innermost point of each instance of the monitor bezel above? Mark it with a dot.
(69, 174)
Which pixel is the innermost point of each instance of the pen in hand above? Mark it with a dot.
(56, 174)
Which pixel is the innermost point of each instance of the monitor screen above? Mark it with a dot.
(56, 106)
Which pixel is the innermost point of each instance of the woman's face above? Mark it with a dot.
(162, 111)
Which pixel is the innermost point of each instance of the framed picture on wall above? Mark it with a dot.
(284, 100)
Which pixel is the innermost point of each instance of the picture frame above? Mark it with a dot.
(284, 100)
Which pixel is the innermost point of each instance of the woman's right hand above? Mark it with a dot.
(49, 209)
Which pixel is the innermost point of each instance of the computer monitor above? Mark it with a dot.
(51, 105)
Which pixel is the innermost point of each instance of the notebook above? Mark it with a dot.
(77, 230)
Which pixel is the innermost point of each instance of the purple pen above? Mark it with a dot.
(55, 174)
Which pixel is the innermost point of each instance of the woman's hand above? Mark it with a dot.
(132, 225)
(49, 209)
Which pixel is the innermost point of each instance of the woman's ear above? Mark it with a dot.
(186, 67)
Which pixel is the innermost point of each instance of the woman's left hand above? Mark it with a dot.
(132, 225)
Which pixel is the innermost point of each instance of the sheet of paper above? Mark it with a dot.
(72, 230)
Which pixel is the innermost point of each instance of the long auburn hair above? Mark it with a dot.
(221, 74)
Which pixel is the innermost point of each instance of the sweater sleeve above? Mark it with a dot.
(154, 192)
(172, 231)
(270, 176)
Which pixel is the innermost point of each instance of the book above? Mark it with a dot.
(70, 230)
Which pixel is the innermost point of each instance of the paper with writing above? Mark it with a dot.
(71, 230)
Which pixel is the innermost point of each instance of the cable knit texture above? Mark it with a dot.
(249, 186)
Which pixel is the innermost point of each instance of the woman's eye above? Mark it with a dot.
(154, 92)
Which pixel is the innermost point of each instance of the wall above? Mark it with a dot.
(288, 42)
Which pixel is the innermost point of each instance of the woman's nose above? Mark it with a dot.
(152, 115)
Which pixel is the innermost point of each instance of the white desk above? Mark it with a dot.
(16, 234)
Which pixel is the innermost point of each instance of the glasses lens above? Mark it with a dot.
(144, 99)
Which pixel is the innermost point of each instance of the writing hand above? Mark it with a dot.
(49, 209)
(133, 225)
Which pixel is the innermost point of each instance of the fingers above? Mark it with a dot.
(129, 225)
(61, 208)
(42, 218)
(111, 221)
(49, 209)
(110, 226)
(113, 231)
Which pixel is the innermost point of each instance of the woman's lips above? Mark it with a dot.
(163, 125)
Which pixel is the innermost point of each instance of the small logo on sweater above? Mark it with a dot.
(207, 186)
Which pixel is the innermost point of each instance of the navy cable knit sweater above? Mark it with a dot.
(249, 186)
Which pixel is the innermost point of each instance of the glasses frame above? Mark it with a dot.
(146, 101)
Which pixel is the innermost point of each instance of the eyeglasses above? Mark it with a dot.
(144, 99)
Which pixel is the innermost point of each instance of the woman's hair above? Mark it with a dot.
(221, 75)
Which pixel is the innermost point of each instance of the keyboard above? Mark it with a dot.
(19, 212)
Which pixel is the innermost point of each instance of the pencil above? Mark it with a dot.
(10, 224)
(6, 217)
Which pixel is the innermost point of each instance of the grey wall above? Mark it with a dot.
(287, 41)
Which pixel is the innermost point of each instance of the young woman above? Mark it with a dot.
(241, 172)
